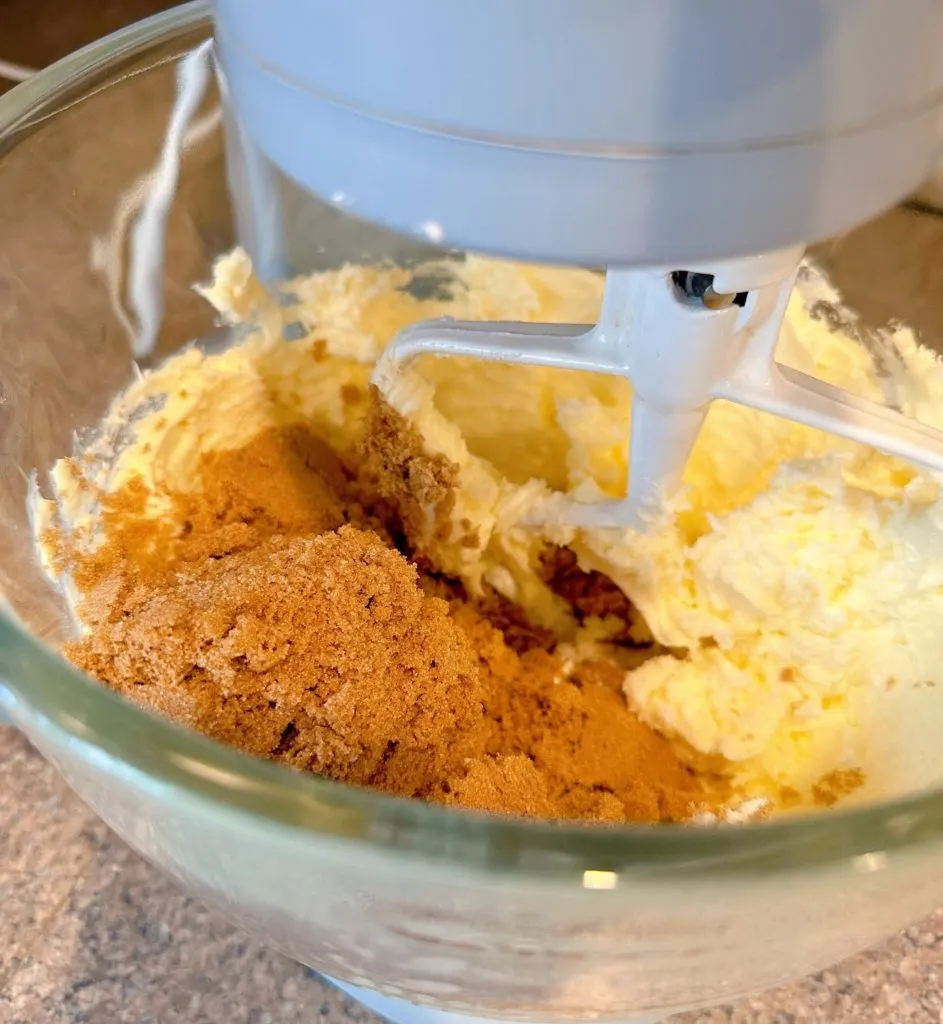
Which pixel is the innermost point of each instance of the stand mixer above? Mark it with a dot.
(759, 126)
(692, 150)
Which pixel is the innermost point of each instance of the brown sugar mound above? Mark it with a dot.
(322, 652)
(270, 609)
(286, 482)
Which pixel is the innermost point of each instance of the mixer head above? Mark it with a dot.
(665, 139)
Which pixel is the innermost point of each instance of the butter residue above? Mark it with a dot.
(794, 579)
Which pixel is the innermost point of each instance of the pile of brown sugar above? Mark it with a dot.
(274, 609)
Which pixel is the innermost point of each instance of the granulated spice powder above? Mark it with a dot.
(276, 609)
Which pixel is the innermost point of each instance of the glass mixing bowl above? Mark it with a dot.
(457, 912)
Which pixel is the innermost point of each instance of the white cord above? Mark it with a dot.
(108, 249)
(145, 276)
(15, 72)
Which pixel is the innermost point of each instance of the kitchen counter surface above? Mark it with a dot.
(91, 934)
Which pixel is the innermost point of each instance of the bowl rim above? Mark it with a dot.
(46, 695)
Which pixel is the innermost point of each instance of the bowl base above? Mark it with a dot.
(398, 1011)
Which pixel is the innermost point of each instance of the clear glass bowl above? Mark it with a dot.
(478, 916)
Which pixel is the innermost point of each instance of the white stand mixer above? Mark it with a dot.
(670, 140)
(706, 144)
(693, 149)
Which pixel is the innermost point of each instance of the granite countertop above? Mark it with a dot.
(91, 934)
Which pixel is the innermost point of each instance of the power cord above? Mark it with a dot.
(15, 72)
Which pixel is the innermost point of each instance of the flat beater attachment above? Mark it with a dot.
(682, 339)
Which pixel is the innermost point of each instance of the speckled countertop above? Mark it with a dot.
(91, 934)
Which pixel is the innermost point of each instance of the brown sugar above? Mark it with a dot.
(595, 758)
(509, 782)
(837, 784)
(591, 594)
(519, 633)
(289, 651)
(393, 464)
(271, 610)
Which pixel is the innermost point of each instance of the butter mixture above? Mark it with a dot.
(757, 627)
